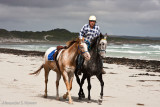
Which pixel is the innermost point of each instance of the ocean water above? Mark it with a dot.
(133, 51)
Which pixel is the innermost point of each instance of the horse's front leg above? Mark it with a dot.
(89, 88)
(71, 76)
(65, 78)
(102, 85)
(81, 93)
(77, 77)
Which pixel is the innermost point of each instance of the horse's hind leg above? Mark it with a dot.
(57, 84)
(46, 73)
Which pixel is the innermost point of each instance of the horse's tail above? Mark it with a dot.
(38, 71)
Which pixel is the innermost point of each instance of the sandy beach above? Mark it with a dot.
(123, 87)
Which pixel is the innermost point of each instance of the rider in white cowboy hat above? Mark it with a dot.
(89, 31)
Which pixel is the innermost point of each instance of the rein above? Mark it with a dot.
(88, 44)
(100, 50)
(81, 52)
(89, 47)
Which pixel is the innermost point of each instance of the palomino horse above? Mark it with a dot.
(94, 66)
(65, 66)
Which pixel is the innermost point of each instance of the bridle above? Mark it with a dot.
(89, 47)
(101, 50)
(80, 51)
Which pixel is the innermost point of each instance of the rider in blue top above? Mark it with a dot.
(91, 30)
(88, 31)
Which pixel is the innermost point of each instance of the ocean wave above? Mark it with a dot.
(129, 51)
(145, 44)
(119, 47)
(129, 46)
(155, 46)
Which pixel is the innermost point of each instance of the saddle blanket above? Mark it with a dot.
(50, 53)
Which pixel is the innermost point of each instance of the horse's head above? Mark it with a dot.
(102, 45)
(83, 50)
(82, 47)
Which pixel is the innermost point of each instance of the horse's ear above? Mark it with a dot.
(81, 40)
(106, 36)
(101, 35)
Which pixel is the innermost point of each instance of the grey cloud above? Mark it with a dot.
(114, 16)
(44, 3)
(31, 3)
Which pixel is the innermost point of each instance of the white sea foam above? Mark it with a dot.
(129, 51)
(155, 46)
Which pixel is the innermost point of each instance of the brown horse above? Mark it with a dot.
(65, 66)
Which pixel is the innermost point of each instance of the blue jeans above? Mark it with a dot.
(80, 61)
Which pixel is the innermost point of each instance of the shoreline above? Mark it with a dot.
(149, 65)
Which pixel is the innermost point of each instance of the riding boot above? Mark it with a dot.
(103, 72)
(80, 61)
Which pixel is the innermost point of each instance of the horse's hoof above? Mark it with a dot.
(79, 98)
(64, 96)
(89, 101)
(100, 101)
(45, 96)
(83, 96)
(58, 98)
(70, 102)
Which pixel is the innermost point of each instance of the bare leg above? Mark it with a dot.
(57, 84)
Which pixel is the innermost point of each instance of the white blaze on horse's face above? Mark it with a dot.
(84, 51)
(102, 47)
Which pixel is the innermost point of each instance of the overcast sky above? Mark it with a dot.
(115, 17)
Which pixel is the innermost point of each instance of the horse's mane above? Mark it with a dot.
(71, 42)
(94, 41)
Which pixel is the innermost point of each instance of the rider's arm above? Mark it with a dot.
(98, 31)
(82, 32)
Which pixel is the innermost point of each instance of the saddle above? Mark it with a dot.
(58, 50)
(56, 54)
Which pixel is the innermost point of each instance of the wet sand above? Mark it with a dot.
(149, 65)
(125, 86)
